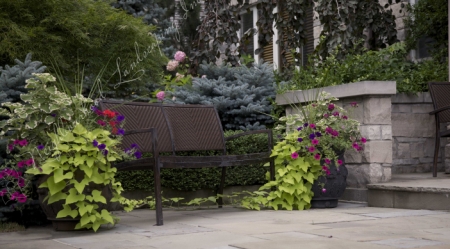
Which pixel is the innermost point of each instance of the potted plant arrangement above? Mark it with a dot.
(70, 144)
(309, 162)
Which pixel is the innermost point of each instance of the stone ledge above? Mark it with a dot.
(340, 91)
(405, 98)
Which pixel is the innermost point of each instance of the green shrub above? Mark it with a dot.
(205, 178)
(84, 35)
(386, 64)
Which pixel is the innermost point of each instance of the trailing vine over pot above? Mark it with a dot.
(314, 139)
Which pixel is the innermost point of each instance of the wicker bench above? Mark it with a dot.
(158, 128)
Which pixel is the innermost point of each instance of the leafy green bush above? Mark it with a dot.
(205, 178)
(82, 35)
(386, 64)
(428, 19)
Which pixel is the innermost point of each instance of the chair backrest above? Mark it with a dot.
(179, 127)
(440, 94)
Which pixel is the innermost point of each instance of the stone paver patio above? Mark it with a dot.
(348, 226)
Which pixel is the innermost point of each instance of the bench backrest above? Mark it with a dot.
(179, 127)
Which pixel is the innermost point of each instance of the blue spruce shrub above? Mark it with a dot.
(241, 95)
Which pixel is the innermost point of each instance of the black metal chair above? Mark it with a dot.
(440, 94)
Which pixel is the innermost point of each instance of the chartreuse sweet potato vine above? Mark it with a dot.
(80, 167)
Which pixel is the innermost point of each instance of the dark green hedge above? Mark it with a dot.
(204, 178)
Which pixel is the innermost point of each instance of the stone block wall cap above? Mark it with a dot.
(340, 91)
(411, 98)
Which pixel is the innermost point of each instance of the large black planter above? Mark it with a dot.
(335, 185)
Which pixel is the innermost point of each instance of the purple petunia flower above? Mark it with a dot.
(326, 115)
(354, 104)
(21, 164)
(311, 149)
(315, 142)
(324, 190)
(305, 124)
(94, 108)
(330, 107)
(29, 162)
(53, 114)
(95, 143)
(317, 156)
(312, 126)
(340, 162)
(105, 152)
(40, 147)
(312, 136)
(101, 146)
(121, 132)
(299, 128)
(336, 114)
(134, 146)
(138, 154)
(21, 182)
(23, 142)
(327, 161)
(120, 118)
(300, 139)
(294, 155)
(363, 140)
(318, 134)
(344, 117)
(10, 147)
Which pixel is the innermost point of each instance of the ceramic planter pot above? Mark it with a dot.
(335, 185)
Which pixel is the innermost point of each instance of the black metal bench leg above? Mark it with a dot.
(158, 199)
(436, 148)
(222, 184)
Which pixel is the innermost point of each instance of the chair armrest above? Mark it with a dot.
(440, 110)
(269, 134)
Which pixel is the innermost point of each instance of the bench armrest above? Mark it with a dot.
(247, 133)
(440, 110)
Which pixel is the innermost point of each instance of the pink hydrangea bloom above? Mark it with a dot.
(180, 56)
(172, 65)
(160, 95)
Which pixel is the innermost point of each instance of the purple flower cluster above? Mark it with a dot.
(136, 153)
(101, 147)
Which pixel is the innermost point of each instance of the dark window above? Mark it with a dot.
(246, 25)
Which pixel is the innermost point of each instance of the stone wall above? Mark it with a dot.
(413, 133)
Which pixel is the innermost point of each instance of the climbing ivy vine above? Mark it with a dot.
(343, 22)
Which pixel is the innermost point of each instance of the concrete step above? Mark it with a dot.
(412, 191)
